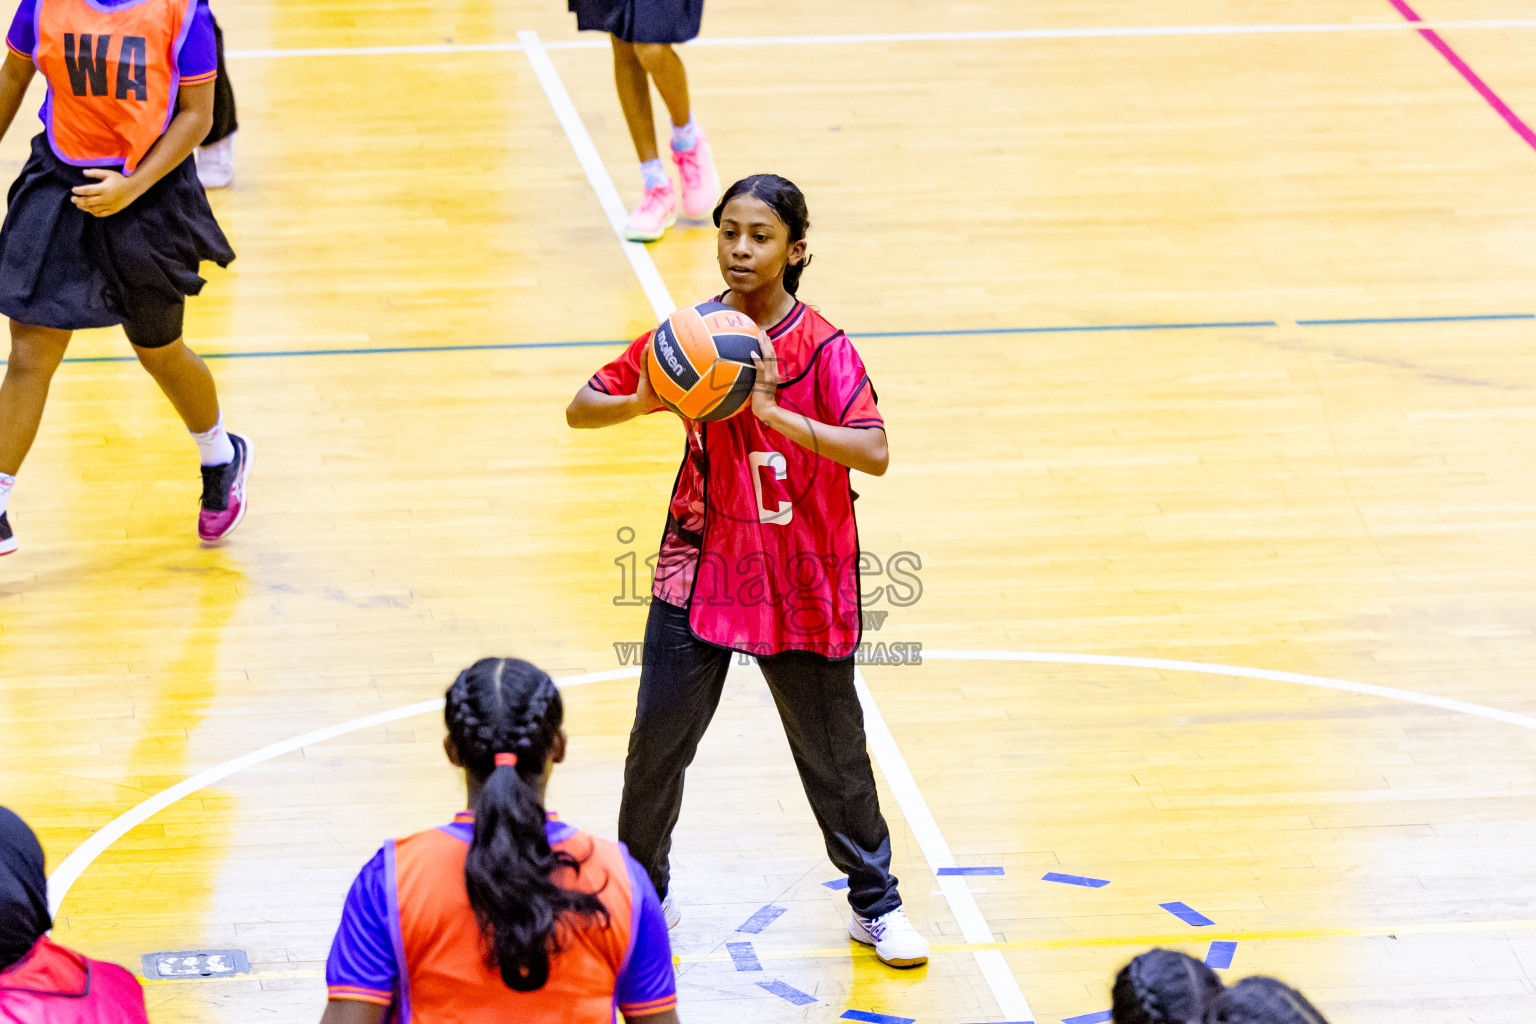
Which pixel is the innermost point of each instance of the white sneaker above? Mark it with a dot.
(896, 942)
(216, 163)
(670, 913)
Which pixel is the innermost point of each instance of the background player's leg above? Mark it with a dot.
(629, 75)
(680, 684)
(690, 150)
(825, 725)
(186, 381)
(35, 355)
(657, 209)
(665, 68)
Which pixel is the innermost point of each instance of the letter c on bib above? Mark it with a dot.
(779, 466)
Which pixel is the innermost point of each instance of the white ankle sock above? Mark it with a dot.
(214, 446)
(6, 483)
(653, 174)
(685, 136)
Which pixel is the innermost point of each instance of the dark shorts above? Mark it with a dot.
(641, 21)
(61, 267)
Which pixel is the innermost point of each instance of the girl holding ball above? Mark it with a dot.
(760, 555)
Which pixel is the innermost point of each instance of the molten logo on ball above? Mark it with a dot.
(700, 361)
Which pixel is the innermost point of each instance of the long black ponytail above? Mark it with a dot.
(785, 199)
(1164, 987)
(503, 706)
(1263, 1001)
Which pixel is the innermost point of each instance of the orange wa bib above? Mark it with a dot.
(112, 76)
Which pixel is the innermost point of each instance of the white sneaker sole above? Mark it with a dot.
(8, 547)
(864, 939)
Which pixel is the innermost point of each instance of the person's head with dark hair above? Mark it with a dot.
(1263, 1001)
(24, 914)
(763, 221)
(504, 717)
(1164, 987)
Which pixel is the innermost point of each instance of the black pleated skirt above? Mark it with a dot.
(61, 267)
(641, 21)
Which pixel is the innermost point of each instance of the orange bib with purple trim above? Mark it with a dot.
(112, 76)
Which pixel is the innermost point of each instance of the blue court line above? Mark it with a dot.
(1074, 329)
(969, 871)
(743, 956)
(1083, 880)
(973, 332)
(836, 884)
(1189, 915)
(786, 992)
(875, 1018)
(285, 352)
(1416, 319)
(761, 919)
(1090, 1018)
(1220, 955)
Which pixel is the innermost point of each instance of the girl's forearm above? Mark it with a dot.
(591, 408)
(15, 76)
(861, 448)
(190, 126)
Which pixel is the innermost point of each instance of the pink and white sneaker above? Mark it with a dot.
(657, 212)
(701, 182)
(224, 501)
(7, 538)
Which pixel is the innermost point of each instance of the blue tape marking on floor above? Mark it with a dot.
(979, 331)
(969, 871)
(283, 352)
(760, 920)
(786, 992)
(743, 956)
(1417, 319)
(1221, 954)
(875, 1018)
(1189, 915)
(1090, 1018)
(1076, 328)
(1083, 880)
(836, 883)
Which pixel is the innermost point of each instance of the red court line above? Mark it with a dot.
(1521, 128)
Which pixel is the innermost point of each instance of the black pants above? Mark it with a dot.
(680, 684)
(224, 122)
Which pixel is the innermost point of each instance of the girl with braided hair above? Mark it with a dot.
(1263, 1001)
(1164, 987)
(507, 913)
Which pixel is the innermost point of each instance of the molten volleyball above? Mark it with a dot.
(700, 361)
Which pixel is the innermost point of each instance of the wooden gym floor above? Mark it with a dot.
(419, 248)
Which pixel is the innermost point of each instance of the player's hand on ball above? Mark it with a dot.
(765, 390)
(645, 395)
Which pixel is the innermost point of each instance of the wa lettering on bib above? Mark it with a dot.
(112, 76)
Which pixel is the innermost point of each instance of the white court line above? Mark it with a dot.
(957, 892)
(69, 871)
(597, 175)
(998, 35)
(1206, 668)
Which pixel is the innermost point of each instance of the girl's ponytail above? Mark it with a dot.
(503, 715)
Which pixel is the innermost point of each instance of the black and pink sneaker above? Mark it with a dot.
(224, 494)
(7, 538)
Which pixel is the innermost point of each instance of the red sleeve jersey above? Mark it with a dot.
(771, 522)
